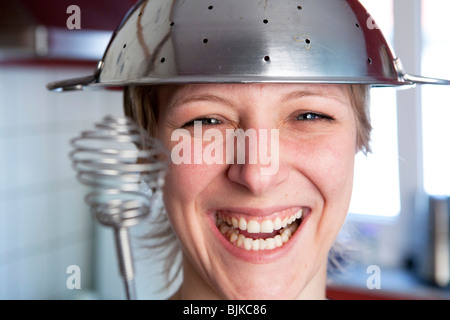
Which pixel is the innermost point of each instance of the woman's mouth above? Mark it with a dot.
(259, 233)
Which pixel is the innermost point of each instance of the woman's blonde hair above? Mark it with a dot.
(141, 105)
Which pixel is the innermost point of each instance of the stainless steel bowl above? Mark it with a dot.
(236, 41)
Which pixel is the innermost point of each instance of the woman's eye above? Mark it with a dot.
(204, 122)
(311, 116)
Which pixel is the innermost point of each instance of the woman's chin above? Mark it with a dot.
(258, 283)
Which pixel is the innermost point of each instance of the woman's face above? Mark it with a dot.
(259, 226)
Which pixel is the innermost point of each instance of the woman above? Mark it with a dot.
(263, 106)
(244, 234)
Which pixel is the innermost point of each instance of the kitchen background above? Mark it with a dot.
(45, 226)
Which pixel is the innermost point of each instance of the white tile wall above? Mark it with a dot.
(45, 226)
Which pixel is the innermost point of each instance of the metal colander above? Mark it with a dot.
(236, 41)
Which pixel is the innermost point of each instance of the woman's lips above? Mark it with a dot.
(257, 233)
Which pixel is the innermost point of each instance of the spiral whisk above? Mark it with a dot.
(125, 168)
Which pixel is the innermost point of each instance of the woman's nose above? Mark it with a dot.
(263, 168)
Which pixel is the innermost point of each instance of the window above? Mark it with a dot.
(435, 99)
(376, 186)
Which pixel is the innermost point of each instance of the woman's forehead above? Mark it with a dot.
(176, 95)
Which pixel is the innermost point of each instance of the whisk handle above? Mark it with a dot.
(125, 257)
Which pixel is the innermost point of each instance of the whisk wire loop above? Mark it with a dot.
(115, 160)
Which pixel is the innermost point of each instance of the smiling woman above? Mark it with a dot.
(230, 215)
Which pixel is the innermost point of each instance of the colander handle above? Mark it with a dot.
(425, 80)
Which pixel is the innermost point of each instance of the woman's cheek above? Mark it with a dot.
(326, 161)
(186, 182)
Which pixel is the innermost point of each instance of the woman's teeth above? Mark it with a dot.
(254, 235)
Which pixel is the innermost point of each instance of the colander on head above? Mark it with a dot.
(236, 41)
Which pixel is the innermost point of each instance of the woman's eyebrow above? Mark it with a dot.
(312, 93)
(199, 98)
